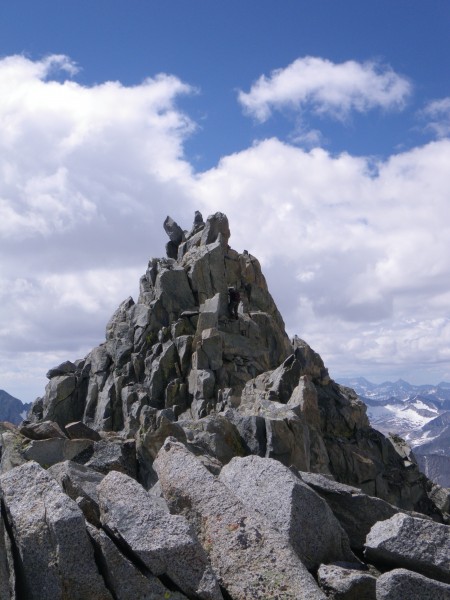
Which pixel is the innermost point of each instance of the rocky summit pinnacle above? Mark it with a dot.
(207, 409)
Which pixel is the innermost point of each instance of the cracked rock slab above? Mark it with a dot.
(122, 576)
(55, 555)
(79, 483)
(250, 558)
(164, 543)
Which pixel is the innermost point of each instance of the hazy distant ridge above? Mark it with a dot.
(419, 413)
(12, 409)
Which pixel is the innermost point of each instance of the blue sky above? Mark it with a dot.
(320, 128)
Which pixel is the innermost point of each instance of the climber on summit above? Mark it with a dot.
(233, 302)
(198, 219)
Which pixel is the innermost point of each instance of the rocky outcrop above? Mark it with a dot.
(199, 452)
(251, 559)
(401, 583)
(417, 544)
(164, 543)
(52, 553)
(179, 355)
(291, 506)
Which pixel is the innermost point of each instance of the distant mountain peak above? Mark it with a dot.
(12, 409)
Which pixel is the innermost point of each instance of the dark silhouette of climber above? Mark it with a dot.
(233, 302)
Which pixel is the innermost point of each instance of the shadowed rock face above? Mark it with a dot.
(273, 464)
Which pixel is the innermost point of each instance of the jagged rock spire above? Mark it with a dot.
(178, 356)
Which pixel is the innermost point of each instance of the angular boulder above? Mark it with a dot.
(42, 431)
(356, 512)
(164, 543)
(79, 430)
(11, 446)
(54, 450)
(123, 577)
(416, 544)
(55, 555)
(173, 230)
(63, 369)
(60, 401)
(79, 483)
(216, 227)
(400, 584)
(290, 506)
(114, 454)
(340, 583)
(251, 558)
(215, 436)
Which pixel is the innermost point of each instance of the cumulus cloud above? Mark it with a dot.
(357, 252)
(437, 113)
(87, 176)
(326, 88)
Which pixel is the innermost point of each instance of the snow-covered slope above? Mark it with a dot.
(419, 414)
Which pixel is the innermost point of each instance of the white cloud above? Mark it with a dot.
(64, 147)
(324, 87)
(437, 113)
(358, 258)
(87, 176)
(356, 251)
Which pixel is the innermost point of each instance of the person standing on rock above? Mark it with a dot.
(233, 302)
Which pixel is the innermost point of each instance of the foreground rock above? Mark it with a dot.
(290, 506)
(340, 583)
(55, 554)
(251, 559)
(400, 584)
(80, 483)
(6, 566)
(122, 576)
(164, 543)
(356, 512)
(415, 544)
